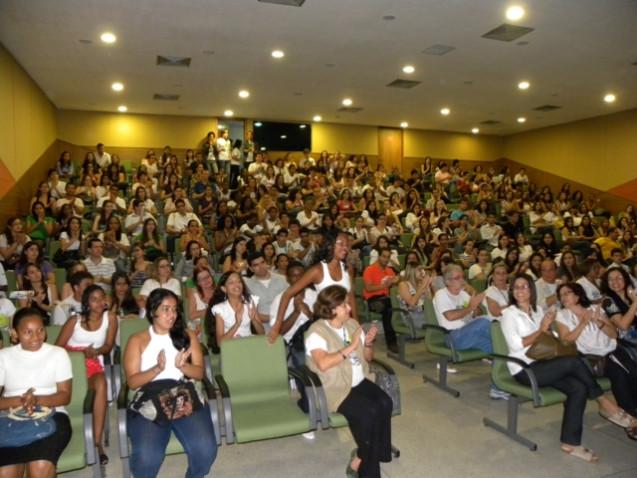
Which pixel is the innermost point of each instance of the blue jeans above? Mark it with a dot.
(149, 440)
(475, 335)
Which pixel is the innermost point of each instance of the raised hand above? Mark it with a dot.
(182, 358)
(371, 335)
(161, 360)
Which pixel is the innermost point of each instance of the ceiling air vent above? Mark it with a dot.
(163, 60)
(405, 84)
(349, 109)
(507, 32)
(290, 3)
(546, 108)
(490, 122)
(438, 50)
(165, 97)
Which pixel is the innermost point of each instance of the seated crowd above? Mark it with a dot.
(260, 245)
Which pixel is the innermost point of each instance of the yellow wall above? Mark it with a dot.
(439, 144)
(599, 152)
(132, 130)
(27, 117)
(353, 139)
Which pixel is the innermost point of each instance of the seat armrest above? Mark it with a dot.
(407, 317)
(321, 399)
(211, 395)
(384, 365)
(89, 440)
(313, 402)
(223, 386)
(89, 398)
(300, 375)
(435, 327)
(535, 388)
(122, 398)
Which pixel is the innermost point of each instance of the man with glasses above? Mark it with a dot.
(458, 312)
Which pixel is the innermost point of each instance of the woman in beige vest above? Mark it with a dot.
(339, 351)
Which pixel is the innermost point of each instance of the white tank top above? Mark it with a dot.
(85, 338)
(149, 356)
(327, 281)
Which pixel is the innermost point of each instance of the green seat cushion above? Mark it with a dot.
(73, 457)
(337, 420)
(604, 383)
(265, 419)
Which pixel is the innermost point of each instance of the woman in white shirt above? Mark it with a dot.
(34, 373)
(161, 278)
(497, 294)
(200, 296)
(235, 309)
(523, 322)
(594, 334)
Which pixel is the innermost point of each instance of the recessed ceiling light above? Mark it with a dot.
(445, 111)
(117, 86)
(283, 136)
(302, 126)
(244, 94)
(514, 13)
(404, 124)
(521, 119)
(108, 37)
(475, 130)
(524, 85)
(610, 98)
(277, 54)
(228, 113)
(258, 124)
(317, 118)
(262, 148)
(122, 108)
(347, 102)
(409, 69)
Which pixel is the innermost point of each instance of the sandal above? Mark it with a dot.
(619, 418)
(349, 471)
(103, 457)
(581, 452)
(631, 432)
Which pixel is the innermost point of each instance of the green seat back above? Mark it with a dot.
(126, 329)
(53, 248)
(478, 284)
(398, 322)
(406, 239)
(6, 340)
(257, 378)
(52, 332)
(74, 455)
(434, 339)
(12, 281)
(60, 278)
(503, 379)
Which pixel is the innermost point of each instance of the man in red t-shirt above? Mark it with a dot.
(378, 279)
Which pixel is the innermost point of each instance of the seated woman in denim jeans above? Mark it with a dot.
(167, 350)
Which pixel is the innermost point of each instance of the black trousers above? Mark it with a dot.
(368, 411)
(623, 380)
(572, 377)
(382, 305)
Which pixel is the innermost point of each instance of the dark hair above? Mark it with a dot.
(27, 246)
(326, 253)
(24, 313)
(578, 290)
(293, 263)
(255, 255)
(587, 266)
(178, 334)
(328, 299)
(92, 241)
(220, 296)
(36, 203)
(195, 274)
(128, 305)
(533, 269)
(187, 253)
(77, 278)
(85, 298)
(604, 282)
(527, 278)
(144, 235)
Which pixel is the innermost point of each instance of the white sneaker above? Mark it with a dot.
(309, 435)
(449, 369)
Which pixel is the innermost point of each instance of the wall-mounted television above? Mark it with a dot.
(282, 136)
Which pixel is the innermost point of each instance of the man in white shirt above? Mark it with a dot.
(102, 268)
(223, 149)
(102, 157)
(307, 161)
(455, 310)
(70, 198)
(281, 244)
(134, 223)
(56, 186)
(72, 305)
(257, 169)
(114, 197)
(546, 285)
(251, 228)
(265, 284)
(178, 220)
(308, 217)
(490, 231)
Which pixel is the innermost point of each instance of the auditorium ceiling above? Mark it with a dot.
(572, 53)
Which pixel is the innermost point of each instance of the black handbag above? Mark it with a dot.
(167, 400)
